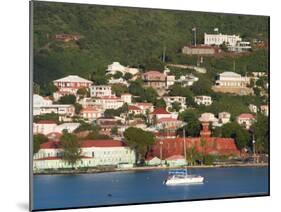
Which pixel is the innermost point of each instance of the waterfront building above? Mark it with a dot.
(153, 161)
(167, 147)
(154, 79)
(100, 90)
(175, 161)
(246, 120)
(203, 100)
(94, 153)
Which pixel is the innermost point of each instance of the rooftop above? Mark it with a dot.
(73, 78)
(160, 111)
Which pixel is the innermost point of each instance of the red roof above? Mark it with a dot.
(175, 157)
(246, 116)
(50, 145)
(101, 143)
(159, 111)
(110, 97)
(167, 120)
(132, 107)
(89, 109)
(45, 122)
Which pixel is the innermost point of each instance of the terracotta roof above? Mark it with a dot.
(175, 157)
(166, 120)
(50, 145)
(110, 97)
(102, 143)
(45, 122)
(159, 111)
(89, 109)
(132, 107)
(246, 116)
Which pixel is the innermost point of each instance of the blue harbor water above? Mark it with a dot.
(63, 191)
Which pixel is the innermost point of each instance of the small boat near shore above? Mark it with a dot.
(181, 177)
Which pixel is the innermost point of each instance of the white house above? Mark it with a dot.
(64, 111)
(246, 120)
(122, 81)
(109, 102)
(127, 98)
(70, 127)
(100, 90)
(44, 127)
(176, 161)
(232, 79)
(152, 161)
(38, 102)
(169, 100)
(116, 66)
(170, 80)
(264, 110)
(187, 80)
(91, 113)
(218, 39)
(203, 100)
(253, 108)
(224, 117)
(71, 84)
(94, 153)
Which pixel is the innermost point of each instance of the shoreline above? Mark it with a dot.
(96, 171)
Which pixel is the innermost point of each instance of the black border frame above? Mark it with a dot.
(123, 204)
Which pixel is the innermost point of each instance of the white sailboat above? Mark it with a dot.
(179, 177)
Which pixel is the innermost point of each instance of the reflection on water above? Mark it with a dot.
(59, 191)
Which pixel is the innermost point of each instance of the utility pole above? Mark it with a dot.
(164, 54)
(184, 144)
(194, 30)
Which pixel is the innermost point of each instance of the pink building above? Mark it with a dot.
(246, 120)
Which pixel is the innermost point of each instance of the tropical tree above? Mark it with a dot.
(139, 140)
(68, 99)
(38, 139)
(261, 133)
(71, 148)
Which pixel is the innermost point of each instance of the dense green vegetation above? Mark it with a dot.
(131, 36)
(139, 140)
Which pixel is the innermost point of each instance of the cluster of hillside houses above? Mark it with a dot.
(163, 122)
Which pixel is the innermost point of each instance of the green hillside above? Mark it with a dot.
(131, 36)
